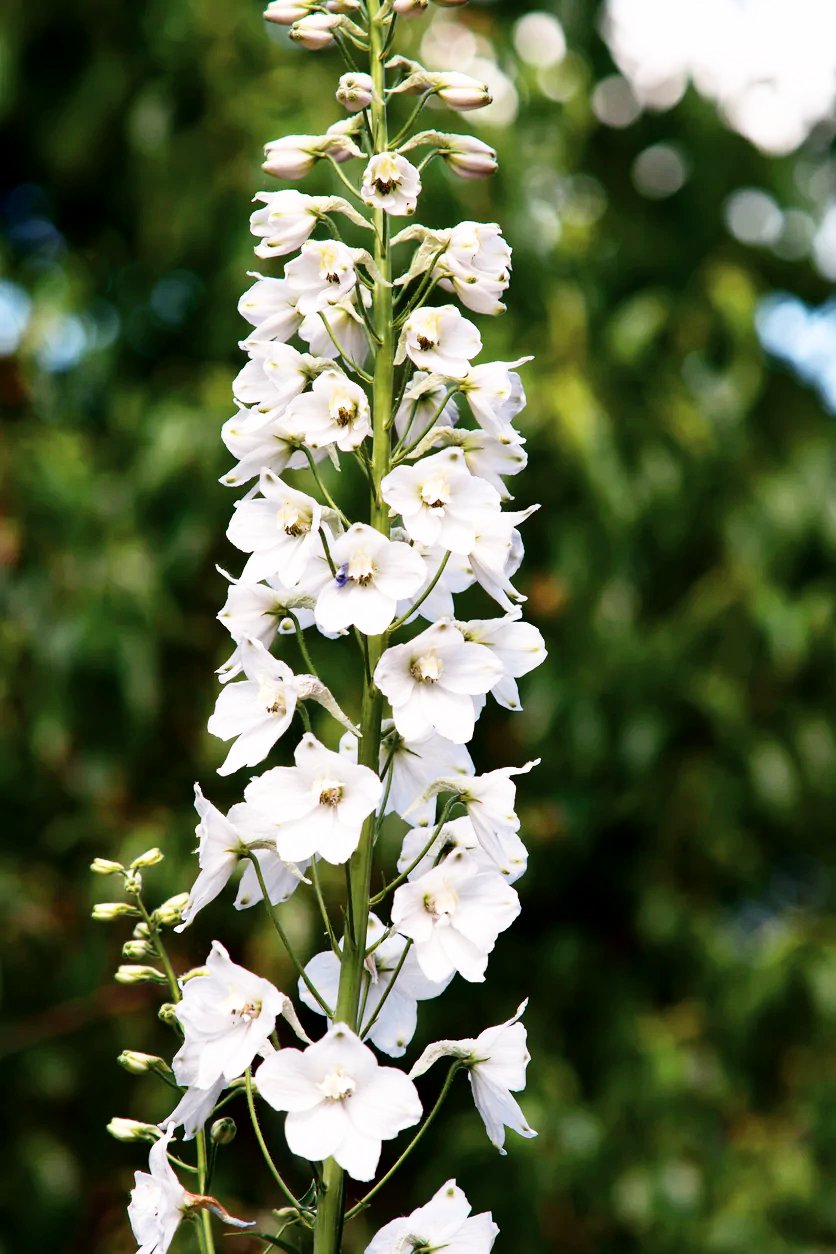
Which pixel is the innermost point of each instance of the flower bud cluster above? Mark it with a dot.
(351, 359)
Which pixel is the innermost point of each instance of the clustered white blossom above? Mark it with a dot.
(383, 373)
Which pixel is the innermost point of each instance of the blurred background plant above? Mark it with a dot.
(667, 182)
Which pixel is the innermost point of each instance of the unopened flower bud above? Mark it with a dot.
(142, 931)
(291, 157)
(223, 1131)
(133, 1130)
(138, 975)
(285, 12)
(316, 30)
(461, 92)
(136, 949)
(104, 911)
(449, 4)
(468, 157)
(171, 911)
(138, 1063)
(133, 883)
(150, 858)
(410, 8)
(342, 6)
(355, 92)
(167, 1013)
(103, 866)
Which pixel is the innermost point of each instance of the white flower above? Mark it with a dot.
(338, 323)
(194, 1108)
(459, 92)
(431, 681)
(261, 441)
(497, 553)
(274, 374)
(414, 767)
(444, 1223)
(393, 1026)
(158, 1201)
(220, 847)
(495, 394)
(261, 611)
(334, 411)
(489, 457)
(475, 265)
(456, 577)
(392, 183)
(438, 338)
(280, 529)
(322, 274)
(373, 574)
(440, 501)
(496, 1061)
(489, 800)
(518, 646)
(340, 1102)
(281, 878)
(317, 806)
(257, 710)
(286, 12)
(355, 91)
(460, 834)
(454, 914)
(284, 222)
(227, 1016)
(421, 404)
(270, 307)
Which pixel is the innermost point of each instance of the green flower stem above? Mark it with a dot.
(259, 1136)
(330, 1212)
(329, 500)
(323, 909)
(300, 640)
(399, 622)
(361, 1205)
(282, 934)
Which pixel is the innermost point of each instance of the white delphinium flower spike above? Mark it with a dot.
(221, 846)
(496, 1061)
(318, 806)
(438, 339)
(334, 411)
(280, 529)
(518, 646)
(373, 574)
(270, 307)
(431, 682)
(444, 1223)
(340, 1103)
(322, 274)
(440, 501)
(459, 834)
(454, 914)
(391, 183)
(227, 1016)
(395, 985)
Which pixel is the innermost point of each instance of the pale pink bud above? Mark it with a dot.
(342, 6)
(468, 157)
(355, 92)
(291, 157)
(316, 30)
(285, 12)
(410, 8)
(461, 92)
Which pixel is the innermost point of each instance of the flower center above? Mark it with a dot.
(337, 1086)
(292, 521)
(435, 491)
(346, 415)
(360, 568)
(271, 698)
(441, 905)
(330, 792)
(248, 1012)
(425, 344)
(427, 669)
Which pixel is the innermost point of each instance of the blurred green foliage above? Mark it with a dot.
(677, 939)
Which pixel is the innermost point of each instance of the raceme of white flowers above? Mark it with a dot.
(361, 348)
